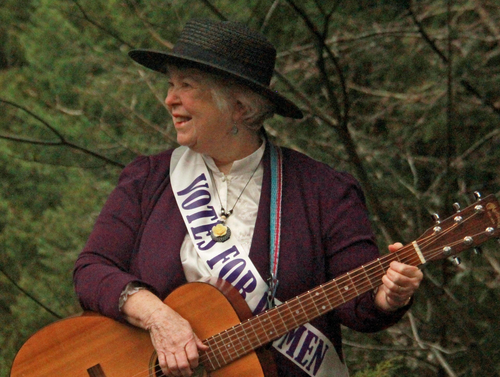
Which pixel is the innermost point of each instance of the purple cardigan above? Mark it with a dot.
(325, 233)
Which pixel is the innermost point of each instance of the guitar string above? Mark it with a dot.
(431, 254)
(255, 319)
(371, 285)
(263, 326)
(401, 254)
(305, 304)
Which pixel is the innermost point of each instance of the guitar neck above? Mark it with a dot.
(467, 228)
(263, 328)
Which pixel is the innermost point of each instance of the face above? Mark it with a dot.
(200, 124)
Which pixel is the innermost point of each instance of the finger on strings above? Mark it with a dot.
(162, 360)
(192, 353)
(199, 343)
(182, 363)
(390, 283)
(171, 368)
(395, 247)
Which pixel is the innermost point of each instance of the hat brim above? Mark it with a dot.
(158, 60)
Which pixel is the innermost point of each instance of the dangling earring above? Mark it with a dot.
(235, 130)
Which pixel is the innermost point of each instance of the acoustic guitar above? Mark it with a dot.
(96, 346)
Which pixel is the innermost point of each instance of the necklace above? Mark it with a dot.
(221, 232)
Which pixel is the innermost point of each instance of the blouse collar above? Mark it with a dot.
(244, 166)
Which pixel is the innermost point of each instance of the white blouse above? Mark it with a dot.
(242, 220)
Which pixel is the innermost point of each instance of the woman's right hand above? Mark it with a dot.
(172, 336)
(175, 342)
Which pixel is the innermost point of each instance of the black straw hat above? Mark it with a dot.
(227, 48)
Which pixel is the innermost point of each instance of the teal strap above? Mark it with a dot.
(275, 223)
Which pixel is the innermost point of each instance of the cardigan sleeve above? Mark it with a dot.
(350, 243)
(101, 270)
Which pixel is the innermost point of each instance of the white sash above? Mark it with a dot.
(194, 195)
(311, 351)
(306, 346)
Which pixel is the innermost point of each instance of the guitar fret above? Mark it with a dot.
(268, 326)
(352, 283)
(315, 300)
(245, 340)
(344, 287)
(218, 349)
(283, 325)
(302, 300)
(285, 313)
(326, 303)
(210, 354)
(381, 265)
(234, 350)
(259, 333)
(365, 282)
(297, 311)
(240, 334)
(251, 337)
(230, 350)
(235, 338)
(333, 293)
(228, 345)
(279, 323)
(369, 279)
(226, 351)
(223, 348)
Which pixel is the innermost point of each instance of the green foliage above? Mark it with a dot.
(387, 368)
(387, 96)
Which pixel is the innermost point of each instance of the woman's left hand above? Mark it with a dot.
(399, 284)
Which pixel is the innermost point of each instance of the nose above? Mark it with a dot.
(172, 98)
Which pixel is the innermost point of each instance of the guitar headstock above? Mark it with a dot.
(466, 229)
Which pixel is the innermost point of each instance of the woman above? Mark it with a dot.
(205, 209)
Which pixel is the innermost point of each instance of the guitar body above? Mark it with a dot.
(212, 308)
(72, 346)
(94, 345)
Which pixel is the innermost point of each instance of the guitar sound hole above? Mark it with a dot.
(198, 372)
(158, 372)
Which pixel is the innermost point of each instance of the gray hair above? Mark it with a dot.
(258, 108)
(224, 89)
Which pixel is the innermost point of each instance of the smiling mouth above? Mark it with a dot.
(180, 121)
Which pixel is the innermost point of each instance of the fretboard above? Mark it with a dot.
(267, 326)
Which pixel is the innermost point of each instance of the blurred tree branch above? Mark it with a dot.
(432, 44)
(99, 26)
(63, 142)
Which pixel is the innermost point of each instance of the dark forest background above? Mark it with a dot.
(403, 94)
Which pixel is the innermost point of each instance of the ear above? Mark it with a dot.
(239, 111)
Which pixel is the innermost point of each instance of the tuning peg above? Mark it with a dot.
(457, 260)
(436, 218)
(458, 219)
(477, 250)
(468, 240)
(477, 195)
